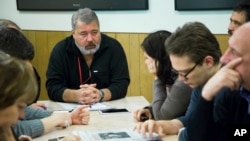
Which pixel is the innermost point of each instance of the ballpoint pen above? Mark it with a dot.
(44, 107)
(57, 138)
(67, 126)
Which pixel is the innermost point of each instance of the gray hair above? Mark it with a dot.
(85, 15)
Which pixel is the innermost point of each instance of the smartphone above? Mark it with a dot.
(113, 110)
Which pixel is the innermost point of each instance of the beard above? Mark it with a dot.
(85, 51)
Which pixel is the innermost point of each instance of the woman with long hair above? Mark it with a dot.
(170, 96)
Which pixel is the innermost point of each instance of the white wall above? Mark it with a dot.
(161, 15)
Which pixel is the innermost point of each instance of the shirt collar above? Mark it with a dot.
(246, 95)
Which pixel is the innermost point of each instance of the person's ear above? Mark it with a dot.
(208, 60)
(72, 32)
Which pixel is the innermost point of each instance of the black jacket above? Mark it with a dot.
(109, 68)
(218, 120)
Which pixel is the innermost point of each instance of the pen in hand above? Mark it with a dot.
(44, 107)
(39, 105)
(67, 125)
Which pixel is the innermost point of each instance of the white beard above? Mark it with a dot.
(87, 51)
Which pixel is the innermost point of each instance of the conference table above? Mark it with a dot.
(101, 122)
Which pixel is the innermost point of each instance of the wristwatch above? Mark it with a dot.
(101, 95)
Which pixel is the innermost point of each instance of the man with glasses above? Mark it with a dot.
(186, 72)
(195, 56)
(228, 118)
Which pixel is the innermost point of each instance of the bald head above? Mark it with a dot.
(241, 36)
(239, 47)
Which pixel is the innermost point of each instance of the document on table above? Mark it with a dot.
(93, 107)
(114, 135)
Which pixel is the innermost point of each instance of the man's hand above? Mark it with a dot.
(59, 118)
(138, 114)
(225, 77)
(150, 127)
(88, 85)
(80, 115)
(88, 94)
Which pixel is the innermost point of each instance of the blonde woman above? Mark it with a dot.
(18, 88)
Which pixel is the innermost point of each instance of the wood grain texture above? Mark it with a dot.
(141, 81)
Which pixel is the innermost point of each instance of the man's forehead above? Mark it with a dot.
(239, 17)
(240, 38)
(183, 58)
(180, 62)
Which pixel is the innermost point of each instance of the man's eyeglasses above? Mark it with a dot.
(188, 72)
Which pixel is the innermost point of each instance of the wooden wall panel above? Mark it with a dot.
(223, 41)
(146, 78)
(134, 64)
(141, 80)
(41, 57)
(125, 42)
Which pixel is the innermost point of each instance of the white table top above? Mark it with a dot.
(105, 121)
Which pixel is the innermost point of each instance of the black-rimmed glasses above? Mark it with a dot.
(188, 72)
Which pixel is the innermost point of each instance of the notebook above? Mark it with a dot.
(93, 107)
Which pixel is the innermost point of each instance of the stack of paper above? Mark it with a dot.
(93, 107)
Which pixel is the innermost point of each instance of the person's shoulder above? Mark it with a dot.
(107, 37)
(181, 84)
(227, 93)
(109, 41)
(64, 45)
(65, 40)
(196, 92)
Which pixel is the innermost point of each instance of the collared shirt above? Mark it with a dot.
(246, 95)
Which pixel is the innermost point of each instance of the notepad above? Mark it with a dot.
(93, 107)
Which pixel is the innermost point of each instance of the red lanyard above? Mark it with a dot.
(80, 72)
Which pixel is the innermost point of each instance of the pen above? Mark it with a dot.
(90, 105)
(44, 107)
(68, 110)
(58, 138)
(67, 126)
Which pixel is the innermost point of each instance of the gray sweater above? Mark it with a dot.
(31, 125)
(169, 102)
